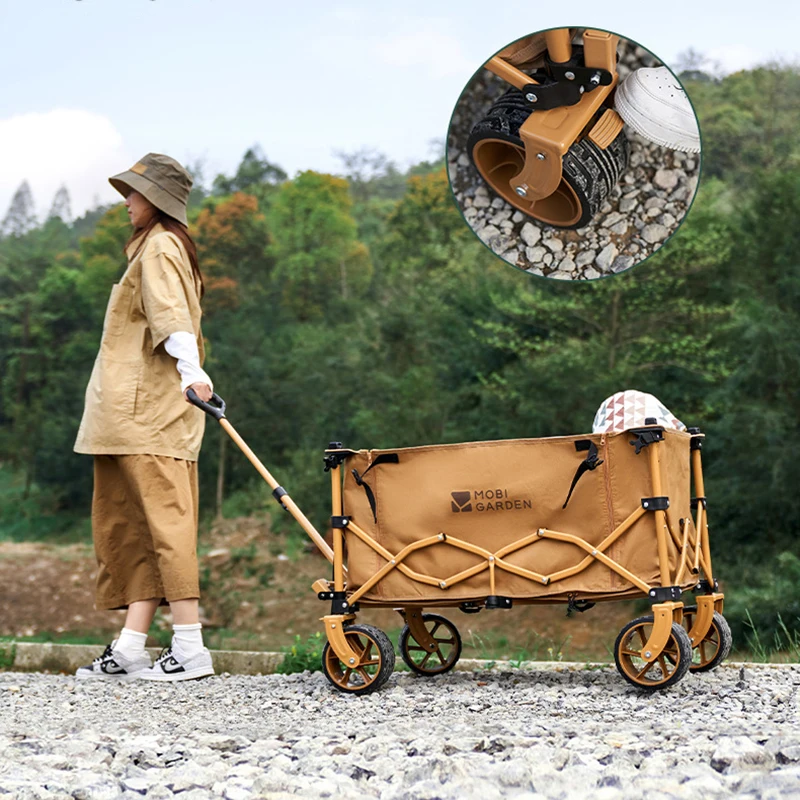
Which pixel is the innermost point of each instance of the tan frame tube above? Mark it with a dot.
(559, 45)
(660, 515)
(337, 510)
(492, 561)
(701, 524)
(509, 73)
(285, 501)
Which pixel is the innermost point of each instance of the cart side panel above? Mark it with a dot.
(494, 494)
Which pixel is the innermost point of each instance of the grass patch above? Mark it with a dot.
(303, 655)
(785, 644)
(8, 652)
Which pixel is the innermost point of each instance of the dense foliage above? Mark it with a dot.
(360, 308)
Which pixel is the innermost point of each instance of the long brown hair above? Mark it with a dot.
(171, 225)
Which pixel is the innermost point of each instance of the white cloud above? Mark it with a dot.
(63, 146)
(734, 57)
(442, 54)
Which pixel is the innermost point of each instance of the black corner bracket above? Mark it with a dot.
(496, 601)
(706, 587)
(339, 604)
(645, 437)
(655, 503)
(664, 594)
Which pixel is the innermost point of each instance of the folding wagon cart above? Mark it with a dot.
(552, 146)
(486, 525)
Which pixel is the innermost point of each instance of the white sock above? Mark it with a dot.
(130, 643)
(188, 639)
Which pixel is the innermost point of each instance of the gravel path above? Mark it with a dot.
(535, 733)
(641, 213)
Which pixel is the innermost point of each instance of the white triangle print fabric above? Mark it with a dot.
(629, 409)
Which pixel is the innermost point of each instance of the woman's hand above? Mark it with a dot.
(202, 390)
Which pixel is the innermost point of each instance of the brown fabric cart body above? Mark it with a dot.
(495, 493)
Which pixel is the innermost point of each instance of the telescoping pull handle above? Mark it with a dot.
(217, 410)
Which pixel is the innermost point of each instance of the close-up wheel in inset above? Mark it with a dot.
(666, 670)
(589, 173)
(715, 647)
(374, 666)
(428, 661)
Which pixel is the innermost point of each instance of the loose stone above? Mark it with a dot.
(530, 234)
(606, 257)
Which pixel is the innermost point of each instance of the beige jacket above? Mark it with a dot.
(133, 401)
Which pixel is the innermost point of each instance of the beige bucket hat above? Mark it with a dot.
(162, 180)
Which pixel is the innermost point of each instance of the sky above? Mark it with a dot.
(96, 84)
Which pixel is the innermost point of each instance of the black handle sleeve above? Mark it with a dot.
(217, 410)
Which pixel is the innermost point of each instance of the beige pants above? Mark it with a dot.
(144, 525)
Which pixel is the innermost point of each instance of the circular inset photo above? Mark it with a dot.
(573, 153)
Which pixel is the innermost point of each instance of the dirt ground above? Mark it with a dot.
(257, 596)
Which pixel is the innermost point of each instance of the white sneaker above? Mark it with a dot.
(116, 666)
(172, 666)
(652, 101)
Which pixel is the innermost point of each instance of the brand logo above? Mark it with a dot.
(170, 665)
(111, 667)
(486, 500)
(460, 501)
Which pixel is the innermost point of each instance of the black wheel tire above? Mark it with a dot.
(374, 668)
(448, 649)
(589, 173)
(715, 647)
(666, 670)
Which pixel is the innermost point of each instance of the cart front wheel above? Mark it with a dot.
(375, 661)
(666, 670)
(715, 647)
(429, 661)
(589, 172)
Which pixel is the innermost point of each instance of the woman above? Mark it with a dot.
(144, 438)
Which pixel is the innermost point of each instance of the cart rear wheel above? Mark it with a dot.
(589, 173)
(712, 650)
(432, 662)
(375, 663)
(666, 670)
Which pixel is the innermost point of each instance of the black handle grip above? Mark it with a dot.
(217, 411)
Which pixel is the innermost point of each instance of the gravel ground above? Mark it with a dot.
(539, 733)
(640, 214)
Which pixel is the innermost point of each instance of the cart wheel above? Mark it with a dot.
(715, 647)
(589, 173)
(375, 664)
(666, 670)
(432, 662)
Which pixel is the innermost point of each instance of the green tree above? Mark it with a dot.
(319, 262)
